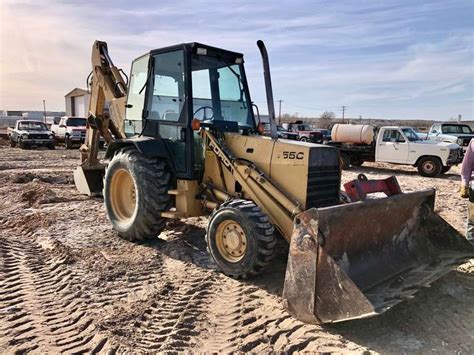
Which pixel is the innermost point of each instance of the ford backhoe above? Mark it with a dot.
(183, 140)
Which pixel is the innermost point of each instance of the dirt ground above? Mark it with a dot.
(68, 283)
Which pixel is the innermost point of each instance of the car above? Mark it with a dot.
(396, 145)
(70, 130)
(30, 133)
(452, 132)
(325, 132)
(305, 132)
(281, 131)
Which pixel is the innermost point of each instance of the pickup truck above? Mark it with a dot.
(28, 133)
(401, 145)
(70, 130)
(281, 131)
(451, 132)
(305, 133)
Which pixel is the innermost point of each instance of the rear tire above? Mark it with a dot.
(240, 238)
(304, 139)
(345, 161)
(429, 166)
(357, 162)
(135, 192)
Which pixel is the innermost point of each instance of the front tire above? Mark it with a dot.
(21, 144)
(429, 166)
(68, 142)
(12, 143)
(240, 238)
(135, 192)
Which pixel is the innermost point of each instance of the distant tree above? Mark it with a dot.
(326, 119)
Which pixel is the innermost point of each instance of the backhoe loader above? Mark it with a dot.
(183, 141)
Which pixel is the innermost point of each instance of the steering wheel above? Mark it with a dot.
(204, 114)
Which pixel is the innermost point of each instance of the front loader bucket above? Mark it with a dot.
(89, 181)
(360, 259)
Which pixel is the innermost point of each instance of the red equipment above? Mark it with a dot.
(358, 190)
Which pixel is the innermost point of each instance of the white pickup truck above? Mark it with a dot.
(29, 133)
(401, 145)
(451, 132)
(70, 130)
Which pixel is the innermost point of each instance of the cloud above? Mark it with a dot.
(380, 59)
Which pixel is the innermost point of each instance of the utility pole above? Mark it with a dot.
(279, 111)
(44, 111)
(343, 111)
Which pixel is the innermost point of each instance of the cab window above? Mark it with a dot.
(393, 136)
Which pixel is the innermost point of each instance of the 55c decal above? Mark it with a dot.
(293, 155)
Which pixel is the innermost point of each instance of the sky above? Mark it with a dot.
(381, 59)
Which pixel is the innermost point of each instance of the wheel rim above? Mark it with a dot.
(429, 167)
(122, 196)
(231, 241)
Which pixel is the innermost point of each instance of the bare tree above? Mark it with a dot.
(326, 119)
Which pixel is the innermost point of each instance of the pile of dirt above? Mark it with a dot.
(28, 223)
(23, 178)
(39, 195)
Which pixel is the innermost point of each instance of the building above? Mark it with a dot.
(77, 102)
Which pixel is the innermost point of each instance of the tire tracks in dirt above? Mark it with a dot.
(244, 318)
(40, 301)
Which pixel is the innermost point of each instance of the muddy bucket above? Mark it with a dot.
(359, 259)
(89, 181)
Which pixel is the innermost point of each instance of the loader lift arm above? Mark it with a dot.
(280, 208)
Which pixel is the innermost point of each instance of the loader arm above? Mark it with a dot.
(280, 209)
(107, 85)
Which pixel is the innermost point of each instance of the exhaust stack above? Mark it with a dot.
(268, 88)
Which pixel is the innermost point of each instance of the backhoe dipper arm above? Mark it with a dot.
(107, 85)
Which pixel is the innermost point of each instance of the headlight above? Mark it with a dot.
(51, 136)
(459, 141)
(24, 136)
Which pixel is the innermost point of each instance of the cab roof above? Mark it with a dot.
(193, 47)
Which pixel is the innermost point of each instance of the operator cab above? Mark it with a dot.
(170, 87)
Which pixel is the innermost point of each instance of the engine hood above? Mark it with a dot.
(436, 143)
(23, 131)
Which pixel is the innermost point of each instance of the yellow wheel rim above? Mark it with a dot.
(122, 196)
(231, 241)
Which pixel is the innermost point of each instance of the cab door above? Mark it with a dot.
(167, 109)
(62, 128)
(393, 147)
(136, 96)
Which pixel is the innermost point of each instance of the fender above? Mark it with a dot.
(149, 147)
